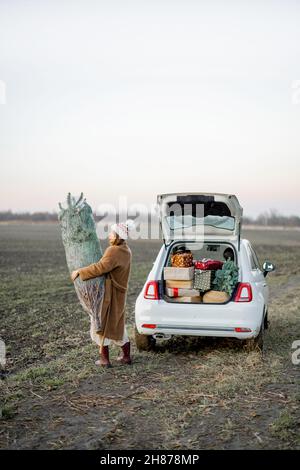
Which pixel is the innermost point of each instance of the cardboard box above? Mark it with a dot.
(183, 274)
(175, 292)
(191, 300)
(179, 284)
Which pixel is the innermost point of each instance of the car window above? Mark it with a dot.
(185, 221)
(252, 262)
(253, 258)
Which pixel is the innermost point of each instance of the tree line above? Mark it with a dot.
(274, 219)
(268, 218)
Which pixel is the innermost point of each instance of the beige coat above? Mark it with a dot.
(116, 264)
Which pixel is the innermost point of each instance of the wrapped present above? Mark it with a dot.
(191, 300)
(182, 260)
(208, 264)
(176, 292)
(179, 284)
(184, 274)
(203, 280)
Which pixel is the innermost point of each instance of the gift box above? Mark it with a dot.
(208, 264)
(176, 292)
(183, 274)
(203, 280)
(179, 284)
(192, 300)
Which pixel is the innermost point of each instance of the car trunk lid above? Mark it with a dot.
(197, 216)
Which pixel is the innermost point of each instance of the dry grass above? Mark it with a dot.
(191, 393)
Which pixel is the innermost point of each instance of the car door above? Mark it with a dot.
(258, 275)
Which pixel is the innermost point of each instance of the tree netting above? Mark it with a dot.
(82, 247)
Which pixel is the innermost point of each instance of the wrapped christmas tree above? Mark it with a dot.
(82, 247)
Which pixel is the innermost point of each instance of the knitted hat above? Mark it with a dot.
(123, 228)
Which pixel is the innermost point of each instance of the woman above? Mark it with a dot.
(116, 265)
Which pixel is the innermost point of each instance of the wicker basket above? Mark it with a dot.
(215, 297)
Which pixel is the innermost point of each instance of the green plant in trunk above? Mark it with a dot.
(226, 278)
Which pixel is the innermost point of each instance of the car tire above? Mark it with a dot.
(266, 321)
(257, 343)
(144, 342)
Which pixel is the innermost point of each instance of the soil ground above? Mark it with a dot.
(191, 393)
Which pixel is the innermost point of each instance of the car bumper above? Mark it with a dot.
(198, 319)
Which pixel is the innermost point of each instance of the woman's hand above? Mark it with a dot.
(74, 275)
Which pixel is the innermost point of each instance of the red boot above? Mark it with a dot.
(104, 357)
(125, 357)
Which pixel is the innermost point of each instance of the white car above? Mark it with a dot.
(206, 224)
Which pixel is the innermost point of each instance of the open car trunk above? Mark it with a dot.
(199, 217)
(190, 285)
(206, 224)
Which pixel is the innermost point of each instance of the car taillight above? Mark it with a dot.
(242, 330)
(244, 292)
(151, 291)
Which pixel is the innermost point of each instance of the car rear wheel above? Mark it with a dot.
(266, 321)
(144, 342)
(257, 343)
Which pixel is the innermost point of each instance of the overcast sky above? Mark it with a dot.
(136, 98)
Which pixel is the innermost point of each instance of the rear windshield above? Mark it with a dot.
(184, 221)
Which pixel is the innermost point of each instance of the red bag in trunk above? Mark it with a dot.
(208, 264)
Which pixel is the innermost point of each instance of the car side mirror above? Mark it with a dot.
(268, 267)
